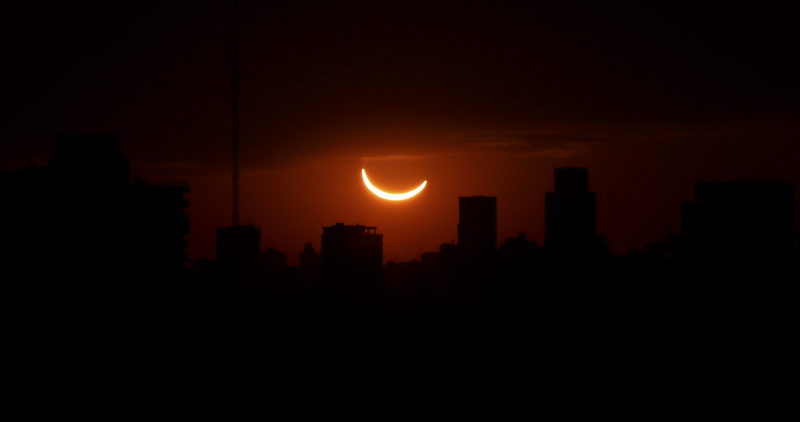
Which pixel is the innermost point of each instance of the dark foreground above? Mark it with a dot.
(586, 342)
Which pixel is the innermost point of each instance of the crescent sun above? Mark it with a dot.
(391, 196)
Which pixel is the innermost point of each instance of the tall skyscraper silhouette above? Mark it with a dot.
(570, 212)
(477, 225)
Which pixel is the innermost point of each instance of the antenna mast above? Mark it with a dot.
(235, 125)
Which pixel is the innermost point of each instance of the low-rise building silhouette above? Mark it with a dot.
(518, 250)
(309, 259)
(238, 253)
(310, 263)
(273, 260)
(351, 253)
(161, 218)
(740, 220)
(477, 225)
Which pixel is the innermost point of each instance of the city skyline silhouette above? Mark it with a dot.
(83, 160)
(479, 102)
(610, 216)
(730, 266)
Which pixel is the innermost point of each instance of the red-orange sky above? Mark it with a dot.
(478, 99)
(640, 184)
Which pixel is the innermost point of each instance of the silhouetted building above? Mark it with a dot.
(351, 253)
(309, 258)
(404, 276)
(570, 212)
(273, 260)
(28, 207)
(89, 161)
(688, 219)
(238, 252)
(161, 223)
(517, 250)
(741, 220)
(477, 225)
(310, 263)
(80, 216)
(448, 251)
(428, 257)
(448, 254)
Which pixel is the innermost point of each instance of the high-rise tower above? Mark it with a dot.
(570, 211)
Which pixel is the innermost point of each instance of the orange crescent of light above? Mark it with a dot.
(391, 196)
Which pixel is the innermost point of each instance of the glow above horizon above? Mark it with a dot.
(391, 196)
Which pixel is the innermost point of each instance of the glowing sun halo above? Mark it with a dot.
(391, 196)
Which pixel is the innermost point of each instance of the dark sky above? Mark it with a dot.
(477, 98)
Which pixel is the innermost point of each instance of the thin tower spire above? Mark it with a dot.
(235, 125)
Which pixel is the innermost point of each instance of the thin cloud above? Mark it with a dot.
(530, 145)
(396, 157)
(174, 165)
